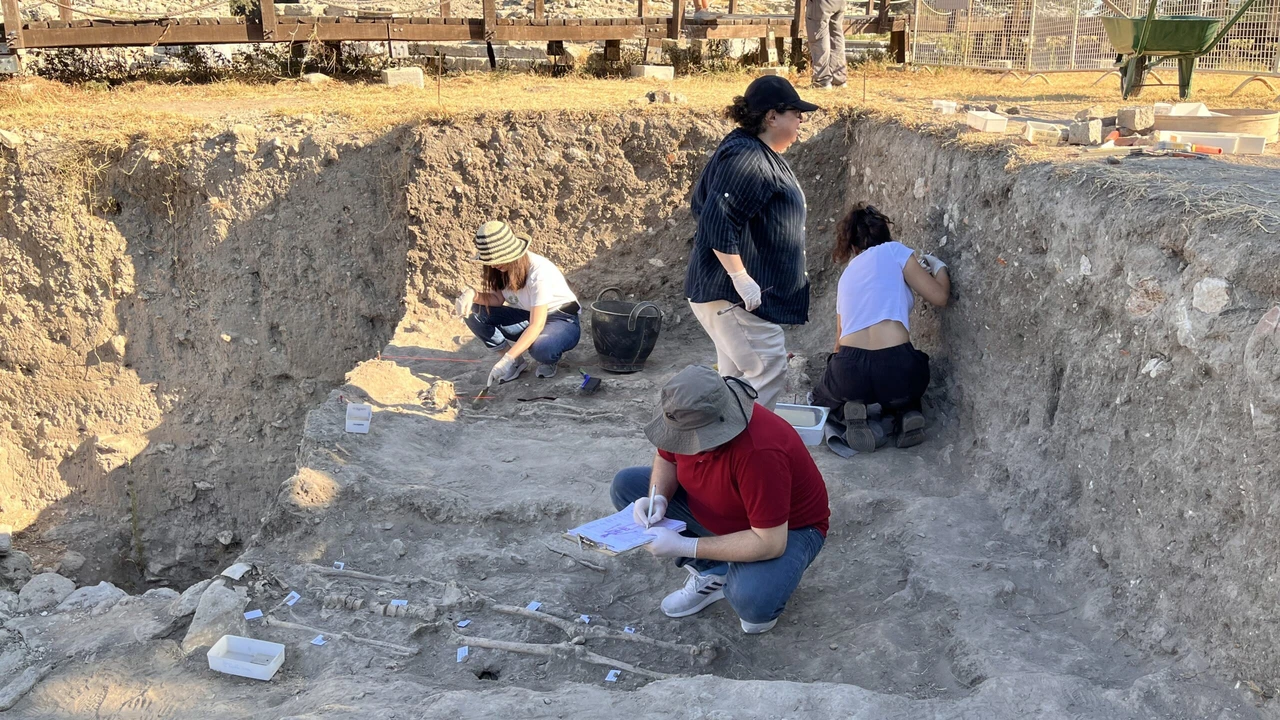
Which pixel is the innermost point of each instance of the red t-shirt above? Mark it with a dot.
(762, 478)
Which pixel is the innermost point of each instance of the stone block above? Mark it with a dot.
(1093, 112)
(653, 72)
(1085, 133)
(395, 77)
(779, 70)
(1136, 118)
(1211, 296)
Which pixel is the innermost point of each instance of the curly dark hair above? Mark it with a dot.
(863, 227)
(750, 120)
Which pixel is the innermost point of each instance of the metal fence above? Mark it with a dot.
(1044, 35)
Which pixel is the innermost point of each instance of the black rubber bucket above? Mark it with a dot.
(624, 332)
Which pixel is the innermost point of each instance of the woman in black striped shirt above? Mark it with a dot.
(751, 215)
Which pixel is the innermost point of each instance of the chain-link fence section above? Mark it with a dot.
(1042, 35)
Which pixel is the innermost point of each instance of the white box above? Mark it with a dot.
(1038, 133)
(359, 415)
(1228, 143)
(246, 657)
(945, 107)
(1190, 110)
(985, 121)
(1163, 108)
(806, 419)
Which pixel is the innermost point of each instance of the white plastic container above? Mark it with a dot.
(1038, 133)
(985, 121)
(1227, 143)
(246, 657)
(806, 419)
(945, 107)
(359, 415)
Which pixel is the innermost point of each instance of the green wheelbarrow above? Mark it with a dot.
(1143, 43)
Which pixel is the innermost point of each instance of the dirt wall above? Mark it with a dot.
(1113, 356)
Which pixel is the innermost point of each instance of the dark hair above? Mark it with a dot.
(750, 120)
(514, 278)
(864, 227)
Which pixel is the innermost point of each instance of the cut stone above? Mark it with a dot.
(654, 72)
(43, 592)
(1085, 133)
(1136, 118)
(395, 77)
(316, 78)
(1094, 112)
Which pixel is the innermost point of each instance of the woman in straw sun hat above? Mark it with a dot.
(524, 304)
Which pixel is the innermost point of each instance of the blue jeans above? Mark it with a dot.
(758, 591)
(496, 325)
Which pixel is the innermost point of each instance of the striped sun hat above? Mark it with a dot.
(497, 245)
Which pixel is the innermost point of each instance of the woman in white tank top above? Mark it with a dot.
(874, 361)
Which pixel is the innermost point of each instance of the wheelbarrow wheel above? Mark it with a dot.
(1133, 76)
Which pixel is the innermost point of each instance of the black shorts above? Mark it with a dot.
(895, 377)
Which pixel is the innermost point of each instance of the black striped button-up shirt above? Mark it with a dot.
(748, 202)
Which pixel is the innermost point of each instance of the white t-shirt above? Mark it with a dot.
(872, 288)
(545, 286)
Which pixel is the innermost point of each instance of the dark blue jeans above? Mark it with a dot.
(496, 325)
(758, 591)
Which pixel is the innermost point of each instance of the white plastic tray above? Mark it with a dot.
(246, 657)
(985, 121)
(359, 415)
(806, 419)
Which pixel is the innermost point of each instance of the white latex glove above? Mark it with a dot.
(932, 264)
(500, 370)
(462, 306)
(669, 543)
(748, 290)
(641, 507)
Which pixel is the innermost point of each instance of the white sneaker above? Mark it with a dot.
(521, 365)
(546, 370)
(757, 628)
(698, 592)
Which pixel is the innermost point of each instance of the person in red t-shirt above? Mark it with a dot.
(745, 484)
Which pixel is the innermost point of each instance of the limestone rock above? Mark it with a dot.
(15, 570)
(1093, 112)
(246, 138)
(94, 599)
(189, 599)
(10, 140)
(1088, 132)
(1136, 118)
(8, 602)
(397, 548)
(167, 594)
(71, 562)
(316, 78)
(44, 591)
(6, 539)
(220, 612)
(1211, 296)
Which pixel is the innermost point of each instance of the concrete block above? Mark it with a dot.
(781, 71)
(394, 77)
(1137, 118)
(653, 72)
(1085, 133)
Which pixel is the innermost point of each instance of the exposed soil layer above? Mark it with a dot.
(1086, 532)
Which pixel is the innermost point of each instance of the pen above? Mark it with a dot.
(648, 513)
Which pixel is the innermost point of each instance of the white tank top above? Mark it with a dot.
(872, 288)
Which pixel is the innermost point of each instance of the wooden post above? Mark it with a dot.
(653, 51)
(780, 44)
(446, 9)
(490, 9)
(12, 24)
(1031, 35)
(1075, 33)
(64, 11)
(677, 20)
(539, 9)
(642, 7)
(613, 50)
(269, 19)
(965, 40)
(733, 7)
(899, 42)
(798, 33)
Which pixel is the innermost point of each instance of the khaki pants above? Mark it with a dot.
(824, 21)
(746, 347)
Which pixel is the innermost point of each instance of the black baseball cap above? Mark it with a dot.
(773, 91)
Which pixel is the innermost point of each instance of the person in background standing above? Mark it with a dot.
(824, 24)
(747, 268)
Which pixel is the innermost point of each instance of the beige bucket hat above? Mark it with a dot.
(700, 411)
(496, 244)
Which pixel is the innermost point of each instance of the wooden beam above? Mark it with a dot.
(268, 19)
(64, 11)
(13, 24)
(490, 9)
(677, 19)
(797, 21)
